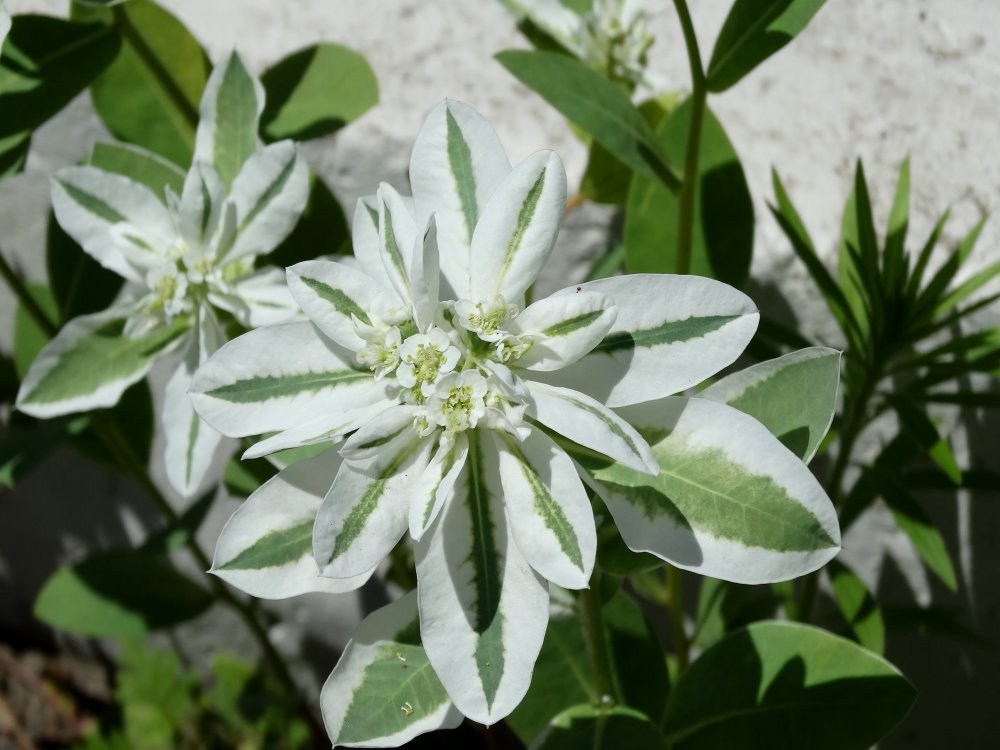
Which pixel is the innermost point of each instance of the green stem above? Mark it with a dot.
(109, 434)
(675, 608)
(26, 299)
(689, 186)
(592, 621)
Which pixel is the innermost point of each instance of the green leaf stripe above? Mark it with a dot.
(392, 248)
(273, 190)
(399, 675)
(265, 387)
(670, 332)
(460, 162)
(338, 298)
(193, 429)
(610, 423)
(703, 489)
(571, 325)
(235, 138)
(92, 203)
(274, 549)
(524, 217)
(485, 560)
(546, 506)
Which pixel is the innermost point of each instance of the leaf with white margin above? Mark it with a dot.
(425, 277)
(91, 362)
(265, 548)
(397, 236)
(794, 396)
(265, 299)
(364, 238)
(483, 610)
(456, 164)
(547, 507)
(671, 333)
(437, 484)
(189, 444)
(269, 195)
(383, 691)
(118, 221)
(367, 509)
(200, 206)
(562, 329)
(229, 117)
(591, 424)
(517, 228)
(730, 501)
(333, 294)
(279, 377)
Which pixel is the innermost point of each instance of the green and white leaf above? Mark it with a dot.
(730, 501)
(383, 691)
(266, 547)
(397, 238)
(671, 333)
(483, 610)
(517, 228)
(364, 237)
(456, 165)
(436, 485)
(277, 378)
(547, 507)
(794, 396)
(91, 362)
(138, 164)
(190, 445)
(562, 329)
(230, 112)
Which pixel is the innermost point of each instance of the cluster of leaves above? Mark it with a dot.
(163, 706)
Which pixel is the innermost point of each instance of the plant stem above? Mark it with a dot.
(107, 430)
(675, 608)
(592, 621)
(27, 300)
(689, 186)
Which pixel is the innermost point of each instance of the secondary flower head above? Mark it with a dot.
(466, 415)
(187, 249)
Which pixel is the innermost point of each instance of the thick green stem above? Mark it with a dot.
(675, 608)
(592, 621)
(689, 186)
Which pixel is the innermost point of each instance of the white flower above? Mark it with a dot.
(186, 257)
(476, 442)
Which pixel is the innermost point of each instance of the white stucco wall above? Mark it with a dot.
(868, 79)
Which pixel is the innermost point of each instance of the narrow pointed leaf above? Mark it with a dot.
(563, 328)
(858, 607)
(383, 691)
(730, 501)
(794, 396)
(140, 165)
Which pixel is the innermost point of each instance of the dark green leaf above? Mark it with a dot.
(118, 594)
(607, 264)
(149, 96)
(22, 448)
(80, 284)
(778, 684)
(858, 607)
(915, 421)
(242, 478)
(933, 621)
(614, 556)
(29, 337)
(316, 91)
(182, 530)
(614, 728)
(754, 30)
(724, 607)
(895, 235)
(723, 232)
(601, 108)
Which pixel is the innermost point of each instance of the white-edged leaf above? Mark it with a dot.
(425, 277)
(378, 440)
(91, 362)
(264, 299)
(268, 194)
(279, 377)
(266, 547)
(436, 485)
(563, 328)
(327, 428)
(364, 238)
(456, 164)
(547, 507)
(333, 294)
(383, 691)
(794, 396)
(672, 332)
(200, 205)
(398, 238)
(591, 424)
(367, 509)
(483, 610)
(517, 228)
(118, 221)
(230, 115)
(190, 445)
(730, 501)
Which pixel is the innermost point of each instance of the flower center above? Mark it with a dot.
(457, 402)
(423, 359)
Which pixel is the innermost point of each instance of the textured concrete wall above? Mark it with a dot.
(867, 79)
